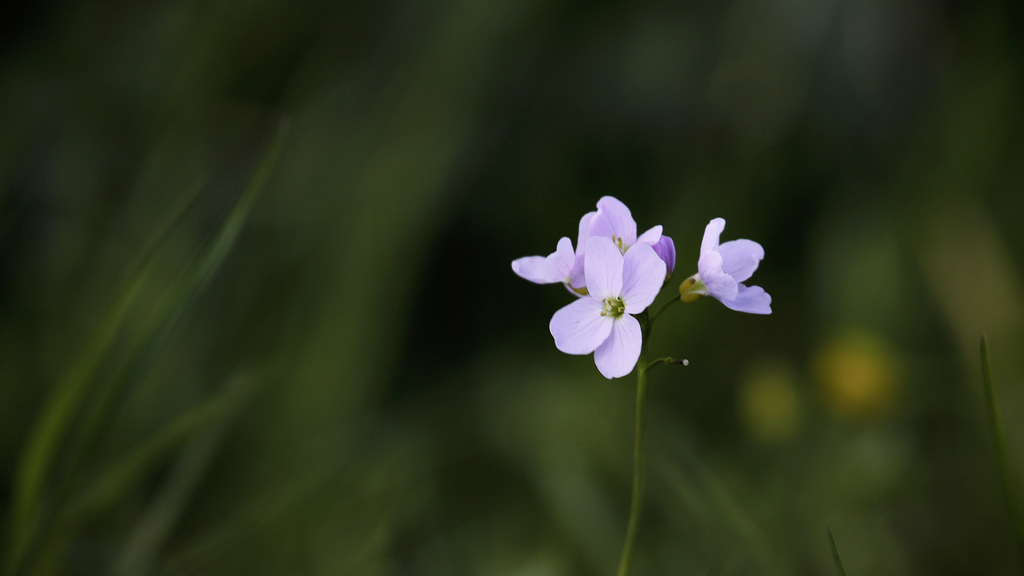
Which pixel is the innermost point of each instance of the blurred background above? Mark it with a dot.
(337, 372)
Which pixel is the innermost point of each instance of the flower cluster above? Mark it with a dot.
(615, 276)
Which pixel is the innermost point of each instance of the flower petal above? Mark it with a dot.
(577, 276)
(665, 248)
(750, 299)
(651, 237)
(712, 232)
(564, 261)
(547, 270)
(643, 275)
(603, 268)
(563, 258)
(740, 258)
(617, 356)
(709, 264)
(718, 283)
(577, 279)
(536, 269)
(613, 219)
(584, 231)
(579, 328)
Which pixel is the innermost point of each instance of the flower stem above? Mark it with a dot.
(667, 360)
(663, 308)
(638, 460)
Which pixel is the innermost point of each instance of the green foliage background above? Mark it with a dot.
(337, 372)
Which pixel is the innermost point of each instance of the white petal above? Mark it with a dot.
(617, 356)
(536, 269)
(603, 268)
(740, 258)
(718, 283)
(709, 264)
(712, 232)
(584, 232)
(579, 328)
(613, 219)
(650, 237)
(577, 281)
(577, 274)
(563, 258)
(643, 275)
(750, 299)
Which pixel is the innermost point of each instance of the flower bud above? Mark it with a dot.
(666, 250)
(689, 291)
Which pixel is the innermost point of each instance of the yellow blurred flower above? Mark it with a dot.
(857, 374)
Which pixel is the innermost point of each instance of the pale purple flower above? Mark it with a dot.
(613, 220)
(601, 322)
(723, 268)
(563, 265)
(554, 268)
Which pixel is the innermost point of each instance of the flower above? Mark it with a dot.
(601, 322)
(612, 220)
(722, 269)
(554, 268)
(563, 265)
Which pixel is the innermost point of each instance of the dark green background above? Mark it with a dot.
(403, 407)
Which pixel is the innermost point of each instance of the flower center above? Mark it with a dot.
(613, 307)
(620, 244)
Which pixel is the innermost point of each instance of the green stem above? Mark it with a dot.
(638, 456)
(667, 360)
(1005, 475)
(664, 307)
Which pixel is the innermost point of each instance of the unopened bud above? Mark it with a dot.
(689, 291)
(691, 296)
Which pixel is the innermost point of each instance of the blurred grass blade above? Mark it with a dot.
(29, 525)
(174, 304)
(995, 425)
(50, 430)
(151, 532)
(835, 554)
(121, 476)
(709, 498)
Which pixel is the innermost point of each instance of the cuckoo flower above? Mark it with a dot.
(554, 268)
(721, 270)
(600, 322)
(563, 265)
(613, 220)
